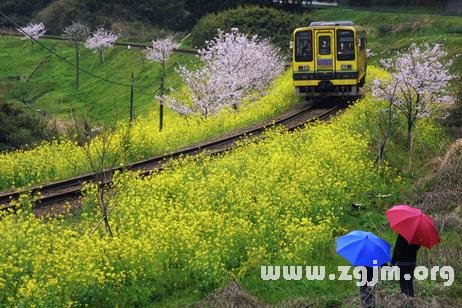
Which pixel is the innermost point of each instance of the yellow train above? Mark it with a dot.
(329, 59)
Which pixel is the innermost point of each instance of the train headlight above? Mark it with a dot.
(303, 68)
(346, 67)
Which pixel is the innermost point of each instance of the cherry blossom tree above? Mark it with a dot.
(160, 52)
(234, 65)
(100, 40)
(77, 33)
(369, 53)
(418, 85)
(34, 31)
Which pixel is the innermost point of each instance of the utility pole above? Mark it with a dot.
(132, 113)
(77, 67)
(161, 106)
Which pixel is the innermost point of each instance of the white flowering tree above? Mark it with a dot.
(77, 33)
(33, 31)
(160, 52)
(235, 65)
(369, 53)
(100, 40)
(418, 85)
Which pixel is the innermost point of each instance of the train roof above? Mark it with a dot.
(330, 24)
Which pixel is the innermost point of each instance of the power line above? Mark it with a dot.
(69, 62)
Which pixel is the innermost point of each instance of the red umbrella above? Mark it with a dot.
(413, 225)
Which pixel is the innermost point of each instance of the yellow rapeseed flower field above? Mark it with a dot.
(199, 222)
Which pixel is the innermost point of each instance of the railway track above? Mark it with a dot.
(61, 191)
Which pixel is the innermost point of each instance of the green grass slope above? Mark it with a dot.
(34, 76)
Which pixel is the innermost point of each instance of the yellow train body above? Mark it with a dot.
(329, 59)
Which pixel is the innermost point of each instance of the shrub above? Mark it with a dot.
(58, 14)
(19, 128)
(20, 10)
(266, 22)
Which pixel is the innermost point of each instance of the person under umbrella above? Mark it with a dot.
(414, 229)
(405, 256)
(362, 248)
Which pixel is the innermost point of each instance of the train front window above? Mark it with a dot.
(324, 45)
(303, 46)
(345, 45)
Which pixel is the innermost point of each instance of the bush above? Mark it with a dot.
(60, 13)
(19, 128)
(266, 22)
(162, 13)
(365, 3)
(20, 10)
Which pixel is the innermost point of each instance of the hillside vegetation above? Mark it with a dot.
(20, 128)
(387, 31)
(194, 225)
(172, 14)
(38, 79)
(391, 31)
(271, 23)
(201, 222)
(23, 168)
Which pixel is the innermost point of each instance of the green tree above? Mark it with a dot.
(266, 22)
(21, 10)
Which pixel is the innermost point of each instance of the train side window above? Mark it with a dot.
(324, 45)
(303, 46)
(345, 45)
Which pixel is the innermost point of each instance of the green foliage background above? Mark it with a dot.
(266, 22)
(20, 127)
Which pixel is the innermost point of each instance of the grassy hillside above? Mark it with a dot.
(47, 83)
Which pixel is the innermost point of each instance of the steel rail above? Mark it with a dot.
(70, 188)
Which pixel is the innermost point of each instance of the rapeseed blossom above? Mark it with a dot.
(31, 167)
(201, 220)
(197, 223)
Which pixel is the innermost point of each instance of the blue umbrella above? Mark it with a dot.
(361, 248)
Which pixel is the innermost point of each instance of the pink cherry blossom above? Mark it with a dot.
(418, 85)
(100, 40)
(34, 31)
(420, 79)
(234, 65)
(161, 49)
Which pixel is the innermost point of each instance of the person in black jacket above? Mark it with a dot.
(404, 256)
(367, 293)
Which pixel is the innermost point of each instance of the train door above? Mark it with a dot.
(325, 56)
